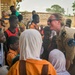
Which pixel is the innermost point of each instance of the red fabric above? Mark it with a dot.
(12, 34)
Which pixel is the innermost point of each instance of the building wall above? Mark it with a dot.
(43, 17)
(0, 8)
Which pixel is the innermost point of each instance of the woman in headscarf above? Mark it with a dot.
(30, 63)
(57, 58)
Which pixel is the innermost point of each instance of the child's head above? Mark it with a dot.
(13, 43)
(22, 28)
(2, 36)
(13, 20)
(33, 12)
(57, 59)
(12, 8)
(4, 13)
(47, 31)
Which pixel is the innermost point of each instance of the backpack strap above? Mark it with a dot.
(44, 70)
(22, 67)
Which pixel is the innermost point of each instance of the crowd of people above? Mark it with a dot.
(35, 50)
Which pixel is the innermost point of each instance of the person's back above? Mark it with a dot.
(33, 67)
(30, 63)
(33, 12)
(34, 23)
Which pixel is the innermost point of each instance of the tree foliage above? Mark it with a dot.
(55, 9)
(73, 6)
(48, 9)
(17, 5)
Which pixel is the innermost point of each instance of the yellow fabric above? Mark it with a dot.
(33, 67)
(11, 54)
(62, 42)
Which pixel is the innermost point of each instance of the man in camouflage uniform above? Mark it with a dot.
(65, 38)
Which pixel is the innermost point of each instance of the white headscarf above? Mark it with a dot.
(3, 70)
(30, 44)
(57, 58)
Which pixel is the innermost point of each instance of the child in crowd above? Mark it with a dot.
(34, 23)
(21, 24)
(14, 11)
(5, 18)
(57, 58)
(46, 42)
(12, 30)
(2, 40)
(13, 43)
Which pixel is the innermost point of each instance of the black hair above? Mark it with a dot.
(68, 22)
(20, 18)
(11, 7)
(46, 42)
(12, 40)
(58, 16)
(12, 18)
(47, 31)
(33, 12)
(35, 17)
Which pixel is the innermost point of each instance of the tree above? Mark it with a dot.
(48, 9)
(17, 6)
(56, 9)
(73, 6)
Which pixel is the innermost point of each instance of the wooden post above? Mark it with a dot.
(0, 8)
